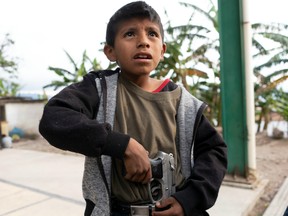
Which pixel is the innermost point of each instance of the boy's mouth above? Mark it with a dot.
(142, 56)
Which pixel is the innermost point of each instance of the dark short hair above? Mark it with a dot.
(137, 9)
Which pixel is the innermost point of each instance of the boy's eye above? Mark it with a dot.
(153, 34)
(129, 34)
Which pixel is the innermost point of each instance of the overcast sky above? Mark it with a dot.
(42, 30)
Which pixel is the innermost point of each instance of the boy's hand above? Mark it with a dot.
(137, 164)
(174, 208)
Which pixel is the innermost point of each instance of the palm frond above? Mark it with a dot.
(261, 49)
(71, 60)
(272, 85)
(276, 37)
(270, 63)
(271, 27)
(60, 71)
(277, 73)
(196, 72)
(202, 12)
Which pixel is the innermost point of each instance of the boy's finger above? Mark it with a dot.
(164, 202)
(147, 177)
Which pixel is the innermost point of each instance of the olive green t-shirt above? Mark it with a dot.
(149, 118)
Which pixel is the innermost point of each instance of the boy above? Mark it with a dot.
(119, 119)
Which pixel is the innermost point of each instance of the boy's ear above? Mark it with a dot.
(109, 52)
(164, 47)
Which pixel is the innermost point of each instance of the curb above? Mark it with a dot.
(279, 202)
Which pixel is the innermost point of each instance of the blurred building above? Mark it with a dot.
(22, 113)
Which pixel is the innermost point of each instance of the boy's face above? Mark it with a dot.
(138, 47)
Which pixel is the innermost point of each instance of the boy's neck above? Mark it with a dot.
(145, 82)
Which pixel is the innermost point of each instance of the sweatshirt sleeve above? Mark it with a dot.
(69, 122)
(210, 163)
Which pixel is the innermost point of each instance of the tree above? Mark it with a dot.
(69, 77)
(203, 39)
(8, 69)
(7, 64)
(270, 46)
(192, 58)
(8, 88)
(281, 105)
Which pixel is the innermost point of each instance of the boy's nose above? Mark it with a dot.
(143, 42)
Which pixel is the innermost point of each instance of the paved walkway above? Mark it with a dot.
(38, 183)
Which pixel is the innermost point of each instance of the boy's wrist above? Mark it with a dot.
(116, 144)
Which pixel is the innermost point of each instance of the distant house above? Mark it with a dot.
(21, 113)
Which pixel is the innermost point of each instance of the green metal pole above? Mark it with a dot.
(233, 85)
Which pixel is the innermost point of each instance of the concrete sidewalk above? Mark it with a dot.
(39, 183)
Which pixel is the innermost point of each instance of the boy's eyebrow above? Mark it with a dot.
(133, 28)
(154, 28)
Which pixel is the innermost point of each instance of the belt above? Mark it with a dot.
(132, 210)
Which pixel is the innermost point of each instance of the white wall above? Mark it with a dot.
(25, 116)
